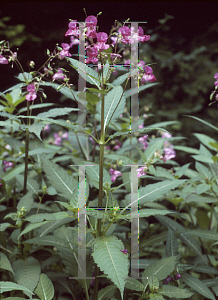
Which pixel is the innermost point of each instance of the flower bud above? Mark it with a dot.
(32, 64)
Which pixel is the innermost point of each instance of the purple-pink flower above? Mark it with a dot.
(3, 60)
(124, 251)
(31, 92)
(141, 171)
(59, 75)
(65, 51)
(114, 174)
(7, 164)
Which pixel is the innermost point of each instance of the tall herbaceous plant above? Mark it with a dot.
(81, 204)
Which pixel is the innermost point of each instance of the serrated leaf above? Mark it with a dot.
(172, 291)
(114, 105)
(33, 226)
(7, 286)
(181, 171)
(93, 175)
(107, 292)
(134, 285)
(40, 218)
(169, 223)
(122, 78)
(192, 243)
(54, 112)
(136, 90)
(161, 269)
(198, 286)
(60, 179)
(152, 148)
(48, 241)
(198, 199)
(187, 149)
(205, 269)
(5, 263)
(86, 72)
(45, 288)
(25, 202)
(203, 158)
(172, 245)
(36, 152)
(145, 213)
(156, 296)
(204, 171)
(203, 234)
(111, 260)
(206, 140)
(202, 188)
(155, 191)
(27, 272)
(34, 128)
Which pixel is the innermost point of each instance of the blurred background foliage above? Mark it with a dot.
(184, 70)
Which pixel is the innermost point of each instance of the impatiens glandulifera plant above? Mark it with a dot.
(42, 246)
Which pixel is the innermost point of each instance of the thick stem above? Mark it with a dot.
(26, 152)
(102, 142)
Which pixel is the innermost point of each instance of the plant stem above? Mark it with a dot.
(102, 142)
(26, 152)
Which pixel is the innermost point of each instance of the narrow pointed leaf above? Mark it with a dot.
(172, 291)
(5, 263)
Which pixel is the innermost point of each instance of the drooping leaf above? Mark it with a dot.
(7, 286)
(40, 218)
(111, 260)
(27, 273)
(134, 285)
(32, 226)
(34, 128)
(143, 213)
(5, 263)
(54, 112)
(198, 286)
(107, 292)
(200, 199)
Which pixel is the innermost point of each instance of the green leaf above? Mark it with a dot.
(122, 78)
(145, 213)
(40, 217)
(134, 285)
(106, 292)
(205, 269)
(162, 268)
(206, 140)
(34, 128)
(201, 199)
(114, 105)
(203, 158)
(5, 263)
(41, 105)
(152, 148)
(156, 296)
(203, 234)
(172, 291)
(157, 190)
(7, 286)
(187, 149)
(202, 188)
(169, 223)
(115, 157)
(4, 226)
(182, 170)
(204, 171)
(60, 179)
(172, 246)
(45, 288)
(111, 260)
(32, 226)
(86, 72)
(192, 243)
(27, 273)
(136, 90)
(25, 202)
(24, 76)
(198, 286)
(54, 112)
(48, 240)
(93, 175)
(13, 172)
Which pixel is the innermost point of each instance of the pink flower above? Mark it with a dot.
(148, 70)
(125, 31)
(74, 41)
(65, 51)
(47, 127)
(169, 153)
(32, 94)
(92, 53)
(166, 135)
(141, 171)
(58, 139)
(143, 140)
(7, 164)
(216, 83)
(59, 75)
(65, 135)
(216, 75)
(72, 28)
(3, 60)
(124, 251)
(148, 78)
(91, 21)
(114, 174)
(102, 37)
(141, 36)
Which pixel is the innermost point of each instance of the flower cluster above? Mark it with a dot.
(169, 152)
(143, 140)
(59, 136)
(169, 278)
